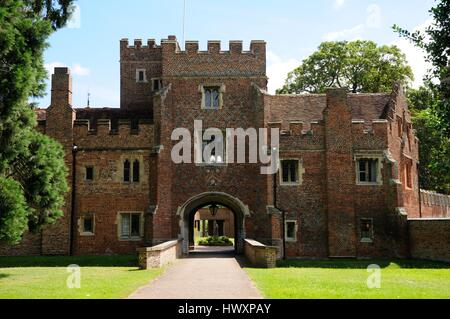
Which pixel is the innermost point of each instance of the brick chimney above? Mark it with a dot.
(61, 87)
(340, 175)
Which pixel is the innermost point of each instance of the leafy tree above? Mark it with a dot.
(434, 146)
(32, 171)
(361, 66)
(435, 41)
(430, 104)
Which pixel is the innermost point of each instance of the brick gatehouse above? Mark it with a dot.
(347, 185)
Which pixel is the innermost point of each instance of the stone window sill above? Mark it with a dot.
(131, 239)
(211, 165)
(87, 234)
(291, 184)
(367, 241)
(369, 184)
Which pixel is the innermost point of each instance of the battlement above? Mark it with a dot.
(192, 47)
(378, 127)
(299, 128)
(83, 127)
(139, 52)
(123, 135)
(193, 62)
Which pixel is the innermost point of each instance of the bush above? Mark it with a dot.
(215, 241)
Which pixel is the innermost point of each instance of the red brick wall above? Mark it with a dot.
(430, 239)
(434, 205)
(138, 95)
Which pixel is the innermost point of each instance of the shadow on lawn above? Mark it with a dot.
(3, 276)
(64, 261)
(363, 264)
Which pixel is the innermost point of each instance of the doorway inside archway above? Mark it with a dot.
(214, 230)
(206, 202)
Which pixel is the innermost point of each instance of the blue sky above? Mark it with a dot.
(292, 28)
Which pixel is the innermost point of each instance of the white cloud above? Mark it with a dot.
(355, 33)
(76, 68)
(352, 33)
(374, 18)
(415, 56)
(338, 4)
(75, 20)
(278, 70)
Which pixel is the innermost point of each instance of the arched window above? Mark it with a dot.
(126, 171)
(136, 171)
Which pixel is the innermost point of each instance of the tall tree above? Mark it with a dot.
(32, 170)
(361, 66)
(435, 41)
(430, 104)
(434, 146)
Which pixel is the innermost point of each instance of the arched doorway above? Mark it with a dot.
(187, 211)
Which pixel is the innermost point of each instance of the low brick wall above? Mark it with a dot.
(435, 205)
(160, 255)
(260, 255)
(430, 239)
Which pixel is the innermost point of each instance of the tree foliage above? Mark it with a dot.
(430, 104)
(434, 146)
(435, 41)
(25, 26)
(361, 66)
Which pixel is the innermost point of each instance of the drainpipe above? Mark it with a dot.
(283, 214)
(72, 205)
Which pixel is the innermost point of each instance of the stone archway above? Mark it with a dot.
(240, 210)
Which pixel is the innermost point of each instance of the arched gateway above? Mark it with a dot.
(187, 211)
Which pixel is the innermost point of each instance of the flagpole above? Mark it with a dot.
(184, 24)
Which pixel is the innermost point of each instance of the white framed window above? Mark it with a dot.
(86, 224)
(131, 225)
(156, 84)
(290, 230)
(141, 76)
(366, 229)
(212, 96)
(368, 169)
(291, 172)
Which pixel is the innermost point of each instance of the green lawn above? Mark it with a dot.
(46, 277)
(344, 279)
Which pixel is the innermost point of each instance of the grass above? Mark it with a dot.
(106, 277)
(347, 279)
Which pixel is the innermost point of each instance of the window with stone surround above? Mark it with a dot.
(290, 230)
(368, 169)
(212, 96)
(156, 84)
(290, 172)
(126, 171)
(215, 140)
(89, 174)
(366, 229)
(141, 76)
(131, 170)
(87, 224)
(131, 226)
(136, 171)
